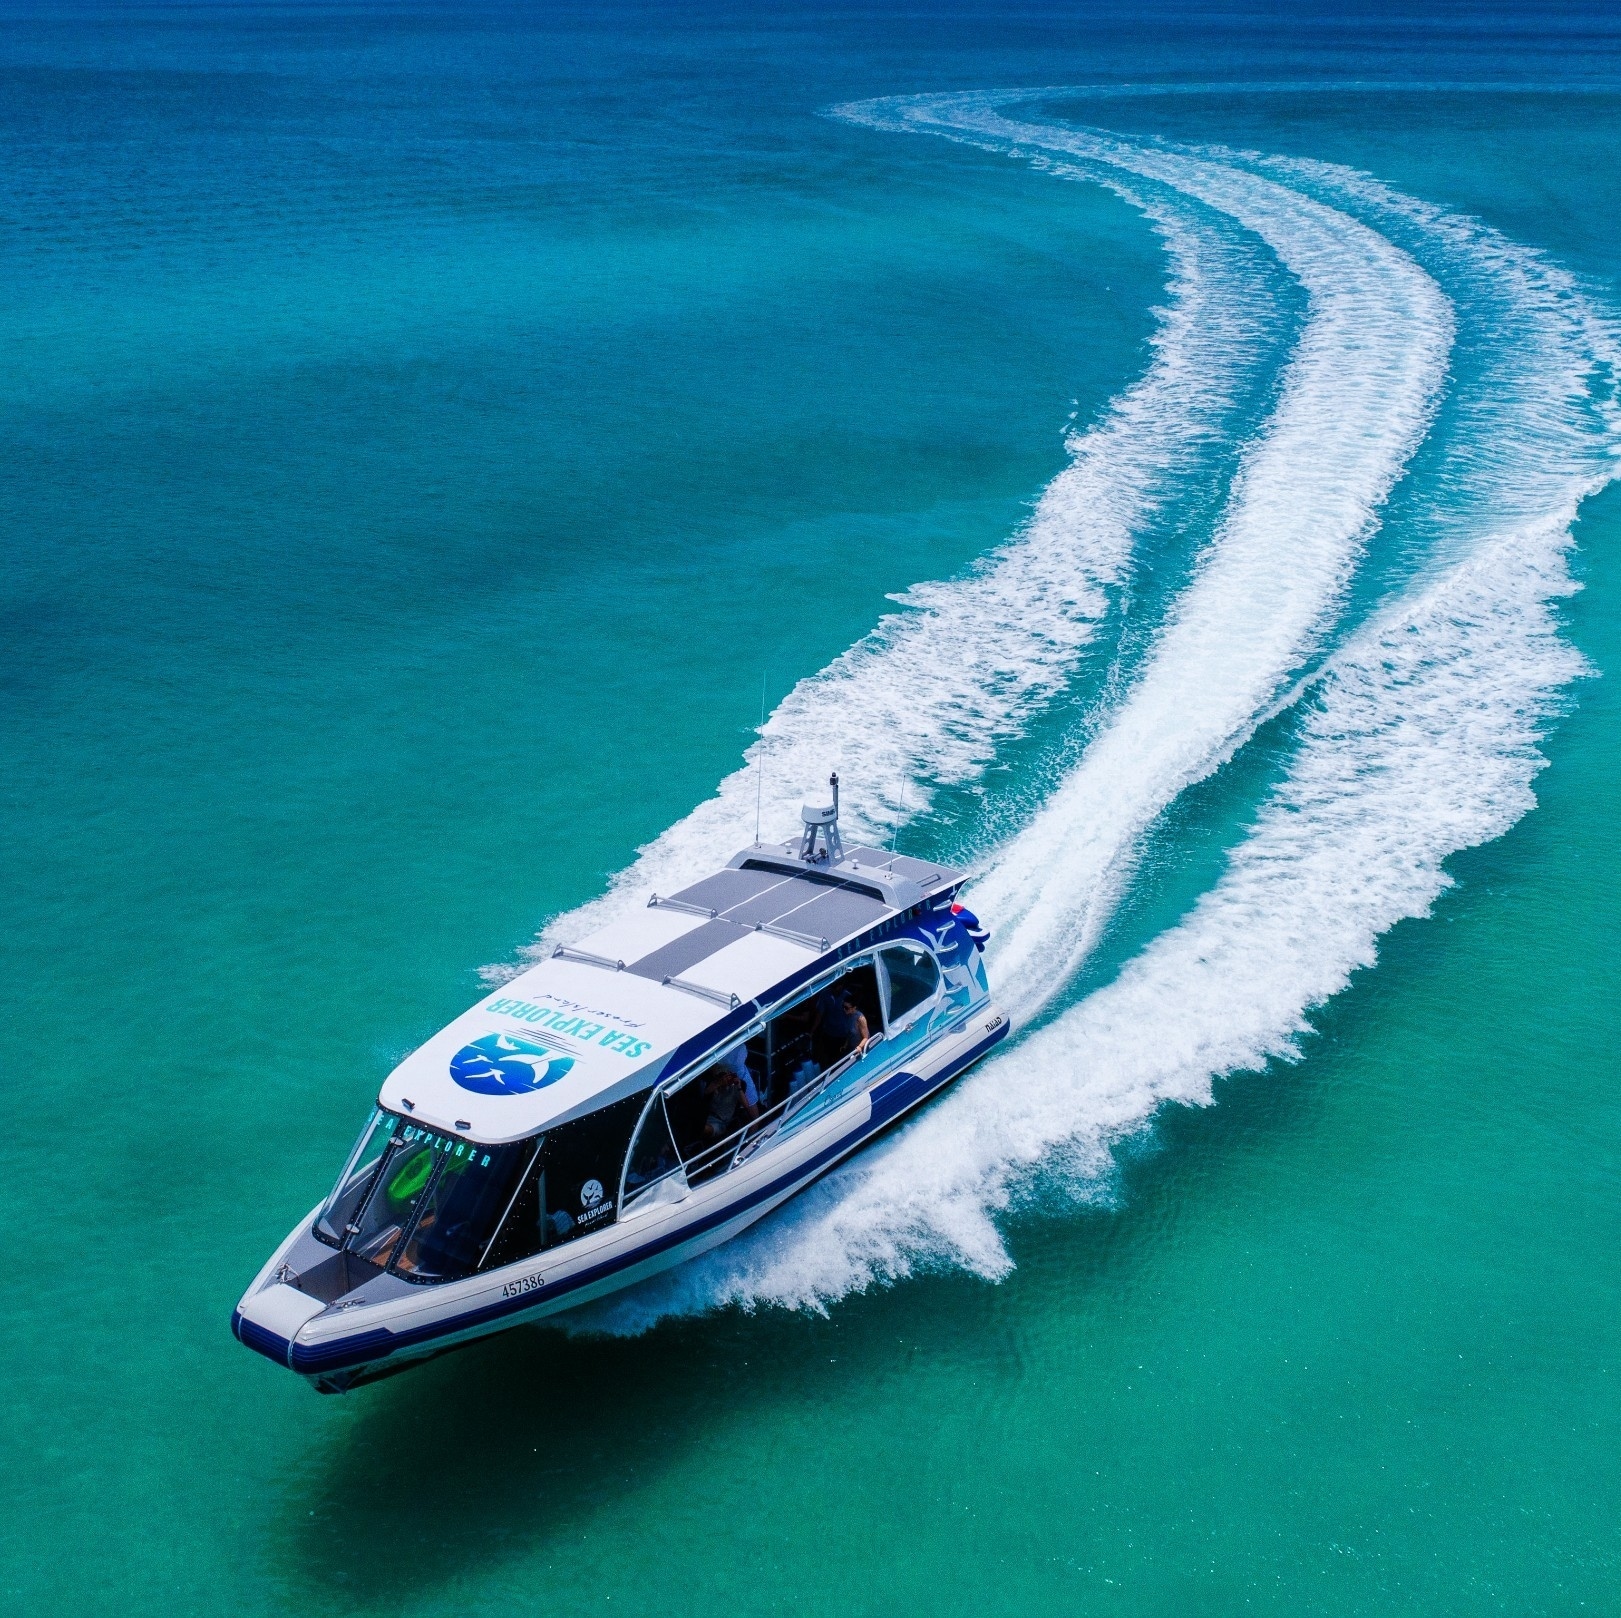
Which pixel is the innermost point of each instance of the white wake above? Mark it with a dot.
(1354, 402)
(1417, 736)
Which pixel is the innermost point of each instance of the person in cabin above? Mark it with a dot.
(855, 1021)
(728, 1106)
(736, 1061)
(841, 1025)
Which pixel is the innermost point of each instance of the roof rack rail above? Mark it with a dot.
(809, 940)
(719, 996)
(586, 958)
(681, 904)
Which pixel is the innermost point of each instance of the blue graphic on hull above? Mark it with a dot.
(957, 950)
(504, 1065)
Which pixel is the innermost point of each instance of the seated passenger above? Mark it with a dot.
(729, 1107)
(737, 1062)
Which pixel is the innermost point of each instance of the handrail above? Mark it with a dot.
(721, 997)
(734, 1142)
(799, 1098)
(586, 958)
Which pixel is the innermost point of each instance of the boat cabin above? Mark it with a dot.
(651, 1057)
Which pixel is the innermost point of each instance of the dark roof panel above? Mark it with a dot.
(831, 913)
(726, 889)
(672, 959)
(812, 903)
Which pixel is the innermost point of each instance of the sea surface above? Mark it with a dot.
(457, 459)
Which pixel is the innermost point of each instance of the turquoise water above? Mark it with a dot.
(426, 428)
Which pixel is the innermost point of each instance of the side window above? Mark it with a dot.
(714, 1107)
(688, 1114)
(461, 1210)
(707, 1122)
(653, 1159)
(803, 1042)
(913, 976)
(573, 1186)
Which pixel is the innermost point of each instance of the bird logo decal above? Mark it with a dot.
(504, 1065)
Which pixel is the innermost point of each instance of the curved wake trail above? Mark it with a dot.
(924, 700)
(1387, 784)
(1418, 737)
(1355, 400)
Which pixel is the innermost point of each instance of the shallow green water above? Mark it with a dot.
(422, 435)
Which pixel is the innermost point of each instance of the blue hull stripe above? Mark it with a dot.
(256, 1337)
(899, 1093)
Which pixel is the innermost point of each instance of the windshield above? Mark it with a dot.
(423, 1204)
(406, 1169)
(461, 1210)
(356, 1177)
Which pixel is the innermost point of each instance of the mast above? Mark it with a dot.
(822, 844)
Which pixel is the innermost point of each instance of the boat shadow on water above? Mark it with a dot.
(525, 1440)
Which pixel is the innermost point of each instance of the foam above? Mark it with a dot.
(1573, 368)
(1354, 402)
(1418, 737)
(1386, 785)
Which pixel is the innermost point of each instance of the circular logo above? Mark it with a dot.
(504, 1065)
(591, 1193)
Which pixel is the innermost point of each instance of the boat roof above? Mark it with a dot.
(640, 998)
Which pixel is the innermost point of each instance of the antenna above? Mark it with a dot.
(895, 835)
(759, 763)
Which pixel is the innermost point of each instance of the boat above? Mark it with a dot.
(631, 1101)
